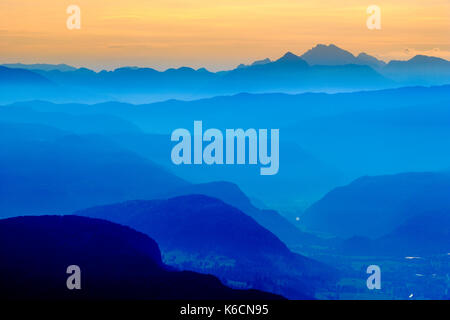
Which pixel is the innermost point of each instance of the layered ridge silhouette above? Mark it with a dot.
(204, 234)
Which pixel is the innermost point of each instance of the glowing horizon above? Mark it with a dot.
(215, 35)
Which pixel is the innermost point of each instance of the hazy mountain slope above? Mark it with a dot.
(419, 236)
(116, 262)
(301, 177)
(80, 124)
(381, 141)
(376, 206)
(269, 219)
(364, 58)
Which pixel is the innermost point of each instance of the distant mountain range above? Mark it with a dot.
(116, 263)
(323, 68)
(423, 234)
(204, 234)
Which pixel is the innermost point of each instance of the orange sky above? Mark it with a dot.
(217, 34)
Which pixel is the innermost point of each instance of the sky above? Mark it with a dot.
(216, 34)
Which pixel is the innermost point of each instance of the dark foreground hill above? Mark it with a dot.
(116, 262)
(204, 234)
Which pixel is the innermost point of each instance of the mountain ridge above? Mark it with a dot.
(204, 234)
(326, 68)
